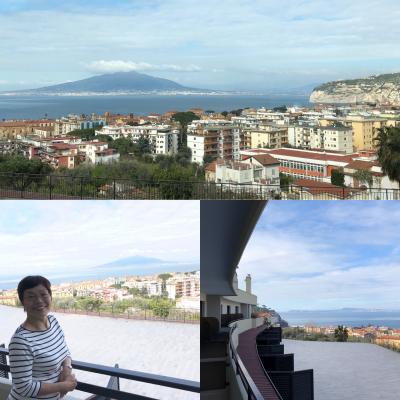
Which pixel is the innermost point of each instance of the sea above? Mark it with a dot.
(35, 107)
(350, 318)
(348, 371)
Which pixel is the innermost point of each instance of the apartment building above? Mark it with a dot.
(267, 136)
(215, 138)
(243, 302)
(365, 130)
(71, 123)
(186, 285)
(328, 137)
(333, 138)
(163, 139)
(15, 129)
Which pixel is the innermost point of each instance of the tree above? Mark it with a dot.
(285, 181)
(184, 156)
(337, 178)
(184, 119)
(86, 134)
(32, 172)
(143, 144)
(388, 150)
(364, 176)
(164, 278)
(341, 334)
(123, 146)
(281, 109)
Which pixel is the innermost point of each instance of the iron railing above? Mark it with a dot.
(110, 393)
(186, 316)
(63, 187)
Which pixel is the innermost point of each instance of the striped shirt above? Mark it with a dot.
(36, 357)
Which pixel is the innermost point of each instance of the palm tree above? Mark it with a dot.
(341, 333)
(364, 176)
(388, 150)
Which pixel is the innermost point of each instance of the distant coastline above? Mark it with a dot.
(347, 317)
(40, 106)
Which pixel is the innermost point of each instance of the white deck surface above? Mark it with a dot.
(348, 371)
(163, 348)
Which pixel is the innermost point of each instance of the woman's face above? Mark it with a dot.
(37, 301)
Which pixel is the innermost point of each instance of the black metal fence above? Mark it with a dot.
(58, 187)
(169, 315)
(112, 393)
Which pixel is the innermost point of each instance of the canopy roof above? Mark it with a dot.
(225, 228)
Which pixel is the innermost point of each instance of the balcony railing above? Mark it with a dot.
(110, 393)
(58, 187)
(250, 387)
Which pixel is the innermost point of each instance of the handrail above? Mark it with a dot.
(252, 390)
(165, 381)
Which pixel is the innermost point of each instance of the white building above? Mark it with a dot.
(163, 139)
(97, 152)
(244, 302)
(333, 138)
(310, 136)
(254, 169)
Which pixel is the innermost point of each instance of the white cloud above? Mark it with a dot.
(68, 237)
(103, 66)
(178, 36)
(326, 255)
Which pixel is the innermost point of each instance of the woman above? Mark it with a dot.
(40, 361)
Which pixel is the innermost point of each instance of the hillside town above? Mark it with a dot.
(183, 288)
(326, 147)
(382, 335)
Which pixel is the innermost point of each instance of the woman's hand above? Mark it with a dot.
(66, 371)
(68, 383)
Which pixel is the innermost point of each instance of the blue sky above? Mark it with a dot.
(66, 240)
(224, 44)
(326, 255)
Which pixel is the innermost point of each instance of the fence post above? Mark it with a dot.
(50, 186)
(387, 195)
(114, 192)
(22, 186)
(81, 187)
(343, 193)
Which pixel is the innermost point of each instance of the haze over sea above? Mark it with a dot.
(34, 107)
(351, 318)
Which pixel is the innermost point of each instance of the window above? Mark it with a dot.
(228, 309)
(236, 309)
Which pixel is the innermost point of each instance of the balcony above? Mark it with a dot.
(112, 391)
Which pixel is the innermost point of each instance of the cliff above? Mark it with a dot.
(377, 89)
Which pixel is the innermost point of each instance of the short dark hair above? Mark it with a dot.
(30, 282)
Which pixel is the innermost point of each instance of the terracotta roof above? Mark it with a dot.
(211, 167)
(315, 155)
(317, 187)
(61, 146)
(264, 159)
(360, 164)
